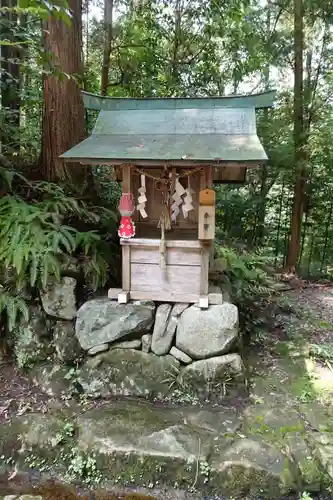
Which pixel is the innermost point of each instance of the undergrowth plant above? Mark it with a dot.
(253, 286)
(247, 272)
(40, 226)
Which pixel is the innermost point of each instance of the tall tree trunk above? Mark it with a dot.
(10, 83)
(264, 168)
(64, 118)
(108, 36)
(299, 139)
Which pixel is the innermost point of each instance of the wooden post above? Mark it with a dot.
(124, 295)
(209, 180)
(205, 181)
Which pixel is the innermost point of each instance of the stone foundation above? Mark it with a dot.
(152, 351)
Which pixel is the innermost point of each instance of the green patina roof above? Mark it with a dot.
(157, 130)
(257, 101)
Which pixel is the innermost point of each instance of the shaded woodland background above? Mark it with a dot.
(50, 212)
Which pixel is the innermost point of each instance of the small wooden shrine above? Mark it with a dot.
(168, 153)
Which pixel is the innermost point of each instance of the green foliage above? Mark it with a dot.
(13, 307)
(64, 434)
(83, 467)
(38, 233)
(248, 273)
(35, 235)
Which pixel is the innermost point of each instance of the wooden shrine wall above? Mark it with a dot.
(155, 200)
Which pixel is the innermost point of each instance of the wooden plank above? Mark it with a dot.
(209, 232)
(204, 268)
(126, 268)
(174, 279)
(169, 163)
(162, 296)
(209, 176)
(174, 256)
(230, 175)
(150, 242)
(203, 180)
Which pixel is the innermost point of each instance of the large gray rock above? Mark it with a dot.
(161, 340)
(65, 342)
(142, 430)
(101, 321)
(203, 333)
(166, 322)
(212, 378)
(255, 466)
(127, 372)
(58, 298)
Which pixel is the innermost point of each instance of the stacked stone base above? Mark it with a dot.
(138, 349)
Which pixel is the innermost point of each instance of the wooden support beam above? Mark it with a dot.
(126, 268)
(126, 174)
(204, 268)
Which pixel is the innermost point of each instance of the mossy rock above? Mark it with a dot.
(253, 467)
(143, 443)
(54, 380)
(128, 372)
(36, 433)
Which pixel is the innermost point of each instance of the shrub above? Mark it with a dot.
(40, 226)
(248, 273)
(252, 285)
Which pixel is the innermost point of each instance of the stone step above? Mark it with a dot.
(265, 451)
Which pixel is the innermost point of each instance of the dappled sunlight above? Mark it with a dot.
(321, 376)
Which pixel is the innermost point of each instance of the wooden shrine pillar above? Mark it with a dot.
(124, 295)
(207, 248)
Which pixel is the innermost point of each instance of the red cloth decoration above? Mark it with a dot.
(126, 204)
(126, 208)
(126, 228)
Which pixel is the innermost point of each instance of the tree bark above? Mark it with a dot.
(64, 117)
(108, 36)
(10, 83)
(299, 139)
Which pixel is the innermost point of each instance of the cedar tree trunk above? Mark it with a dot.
(108, 36)
(299, 140)
(64, 115)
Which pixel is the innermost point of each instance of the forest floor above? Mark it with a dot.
(290, 359)
(297, 339)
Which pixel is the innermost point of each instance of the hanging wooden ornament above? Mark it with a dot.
(126, 209)
(142, 198)
(177, 200)
(188, 200)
